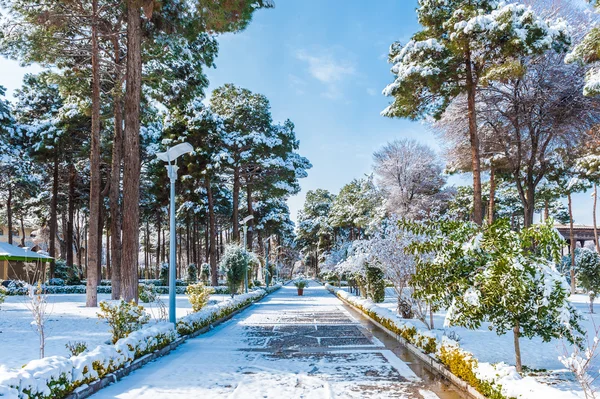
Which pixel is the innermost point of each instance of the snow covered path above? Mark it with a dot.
(282, 347)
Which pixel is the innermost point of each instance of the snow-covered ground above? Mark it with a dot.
(68, 320)
(487, 346)
(282, 347)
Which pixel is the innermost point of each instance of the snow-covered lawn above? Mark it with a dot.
(68, 320)
(487, 346)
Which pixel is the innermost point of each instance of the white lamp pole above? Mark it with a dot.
(170, 156)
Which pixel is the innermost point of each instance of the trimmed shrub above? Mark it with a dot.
(375, 284)
(164, 274)
(192, 273)
(123, 317)
(198, 295)
(234, 263)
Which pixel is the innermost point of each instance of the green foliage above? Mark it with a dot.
(300, 283)
(234, 263)
(70, 275)
(164, 274)
(588, 272)
(375, 284)
(76, 348)
(198, 295)
(123, 317)
(192, 273)
(147, 293)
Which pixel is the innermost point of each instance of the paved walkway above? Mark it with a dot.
(282, 347)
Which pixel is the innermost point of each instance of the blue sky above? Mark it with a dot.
(322, 64)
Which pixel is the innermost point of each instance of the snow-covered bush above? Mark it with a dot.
(56, 282)
(198, 295)
(192, 273)
(147, 293)
(234, 263)
(76, 348)
(123, 317)
(587, 262)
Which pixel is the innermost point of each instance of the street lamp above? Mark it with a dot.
(245, 226)
(170, 157)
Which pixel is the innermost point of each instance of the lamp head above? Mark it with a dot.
(247, 219)
(175, 152)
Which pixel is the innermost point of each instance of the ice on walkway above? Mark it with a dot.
(282, 347)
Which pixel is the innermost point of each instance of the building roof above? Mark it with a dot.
(14, 253)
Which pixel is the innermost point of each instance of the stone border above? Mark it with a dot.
(432, 364)
(88, 390)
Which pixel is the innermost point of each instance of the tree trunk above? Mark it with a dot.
(94, 224)
(22, 232)
(236, 200)
(158, 260)
(53, 216)
(572, 243)
(529, 206)
(212, 239)
(516, 333)
(250, 222)
(9, 214)
(474, 139)
(492, 195)
(546, 210)
(594, 218)
(115, 189)
(71, 215)
(131, 155)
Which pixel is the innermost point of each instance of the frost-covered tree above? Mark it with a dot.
(464, 44)
(410, 176)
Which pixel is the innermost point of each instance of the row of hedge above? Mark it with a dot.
(495, 381)
(56, 376)
(20, 289)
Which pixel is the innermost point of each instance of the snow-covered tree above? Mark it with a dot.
(498, 275)
(314, 234)
(465, 44)
(410, 176)
(357, 208)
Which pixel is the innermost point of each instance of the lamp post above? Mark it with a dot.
(170, 157)
(245, 226)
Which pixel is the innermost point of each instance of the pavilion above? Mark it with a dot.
(14, 262)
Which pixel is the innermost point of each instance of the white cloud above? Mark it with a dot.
(296, 83)
(327, 70)
(371, 91)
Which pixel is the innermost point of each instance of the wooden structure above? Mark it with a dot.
(20, 264)
(582, 234)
